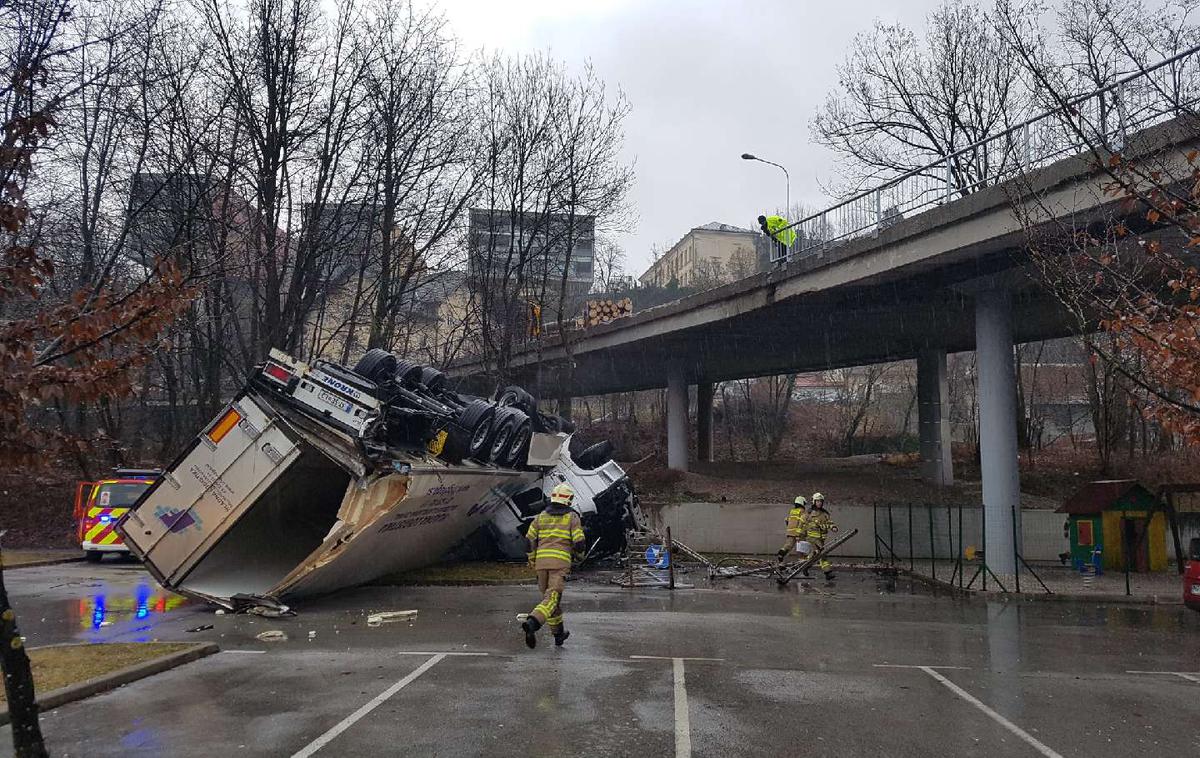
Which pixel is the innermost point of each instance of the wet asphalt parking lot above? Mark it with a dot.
(863, 667)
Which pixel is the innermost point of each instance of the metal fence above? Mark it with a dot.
(1097, 121)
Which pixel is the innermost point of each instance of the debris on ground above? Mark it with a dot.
(201, 628)
(271, 635)
(389, 617)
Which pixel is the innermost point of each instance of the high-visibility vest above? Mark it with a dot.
(796, 519)
(553, 537)
(775, 224)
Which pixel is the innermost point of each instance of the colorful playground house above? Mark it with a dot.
(1109, 520)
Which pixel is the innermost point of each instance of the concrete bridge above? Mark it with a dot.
(953, 278)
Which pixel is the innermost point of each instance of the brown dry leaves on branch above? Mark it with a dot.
(1144, 288)
(81, 349)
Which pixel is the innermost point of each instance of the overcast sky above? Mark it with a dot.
(708, 81)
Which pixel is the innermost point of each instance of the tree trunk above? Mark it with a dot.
(18, 683)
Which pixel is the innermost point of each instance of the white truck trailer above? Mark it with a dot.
(315, 478)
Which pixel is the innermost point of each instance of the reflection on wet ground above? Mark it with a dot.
(85, 603)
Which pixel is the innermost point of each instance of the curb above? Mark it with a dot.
(118, 678)
(45, 562)
(1064, 597)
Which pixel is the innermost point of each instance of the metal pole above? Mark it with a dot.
(932, 552)
(891, 534)
(959, 558)
(670, 547)
(875, 528)
(1016, 555)
(983, 546)
(911, 565)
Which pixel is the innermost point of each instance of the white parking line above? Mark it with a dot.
(371, 705)
(1190, 676)
(1010, 726)
(244, 652)
(683, 724)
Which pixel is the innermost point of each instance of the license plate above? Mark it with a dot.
(333, 400)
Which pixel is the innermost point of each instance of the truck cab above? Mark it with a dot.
(100, 505)
(1191, 576)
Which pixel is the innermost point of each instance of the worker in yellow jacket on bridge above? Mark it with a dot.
(554, 537)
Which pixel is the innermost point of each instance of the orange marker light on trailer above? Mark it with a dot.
(222, 427)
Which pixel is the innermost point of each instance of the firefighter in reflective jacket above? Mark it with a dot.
(554, 537)
(819, 525)
(797, 520)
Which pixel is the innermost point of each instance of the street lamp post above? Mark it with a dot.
(788, 179)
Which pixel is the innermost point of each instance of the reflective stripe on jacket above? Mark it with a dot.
(796, 521)
(553, 537)
(819, 524)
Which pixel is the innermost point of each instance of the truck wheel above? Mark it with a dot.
(378, 365)
(433, 379)
(517, 397)
(467, 437)
(503, 426)
(408, 373)
(595, 456)
(93, 556)
(518, 449)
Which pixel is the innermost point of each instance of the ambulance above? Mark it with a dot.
(100, 505)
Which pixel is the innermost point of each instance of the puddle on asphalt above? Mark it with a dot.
(103, 606)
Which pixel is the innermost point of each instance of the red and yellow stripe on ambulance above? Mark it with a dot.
(100, 521)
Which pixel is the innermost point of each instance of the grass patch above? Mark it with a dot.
(18, 558)
(62, 665)
(473, 572)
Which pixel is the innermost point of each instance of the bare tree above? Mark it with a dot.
(905, 101)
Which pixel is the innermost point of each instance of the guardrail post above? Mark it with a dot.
(1027, 147)
(878, 211)
(949, 181)
(823, 232)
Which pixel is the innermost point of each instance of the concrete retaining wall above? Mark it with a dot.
(759, 528)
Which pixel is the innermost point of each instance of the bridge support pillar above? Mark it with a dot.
(997, 390)
(677, 421)
(933, 418)
(704, 422)
(564, 407)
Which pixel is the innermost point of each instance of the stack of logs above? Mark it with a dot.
(602, 311)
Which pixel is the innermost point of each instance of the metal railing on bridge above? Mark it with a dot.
(1098, 120)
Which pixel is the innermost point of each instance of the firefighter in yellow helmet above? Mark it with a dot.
(797, 520)
(819, 525)
(555, 537)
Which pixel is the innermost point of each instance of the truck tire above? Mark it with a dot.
(93, 556)
(434, 380)
(378, 365)
(408, 373)
(503, 426)
(594, 456)
(518, 448)
(468, 435)
(517, 397)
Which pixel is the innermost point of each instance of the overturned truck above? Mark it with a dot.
(316, 477)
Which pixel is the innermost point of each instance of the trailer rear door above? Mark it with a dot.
(208, 488)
